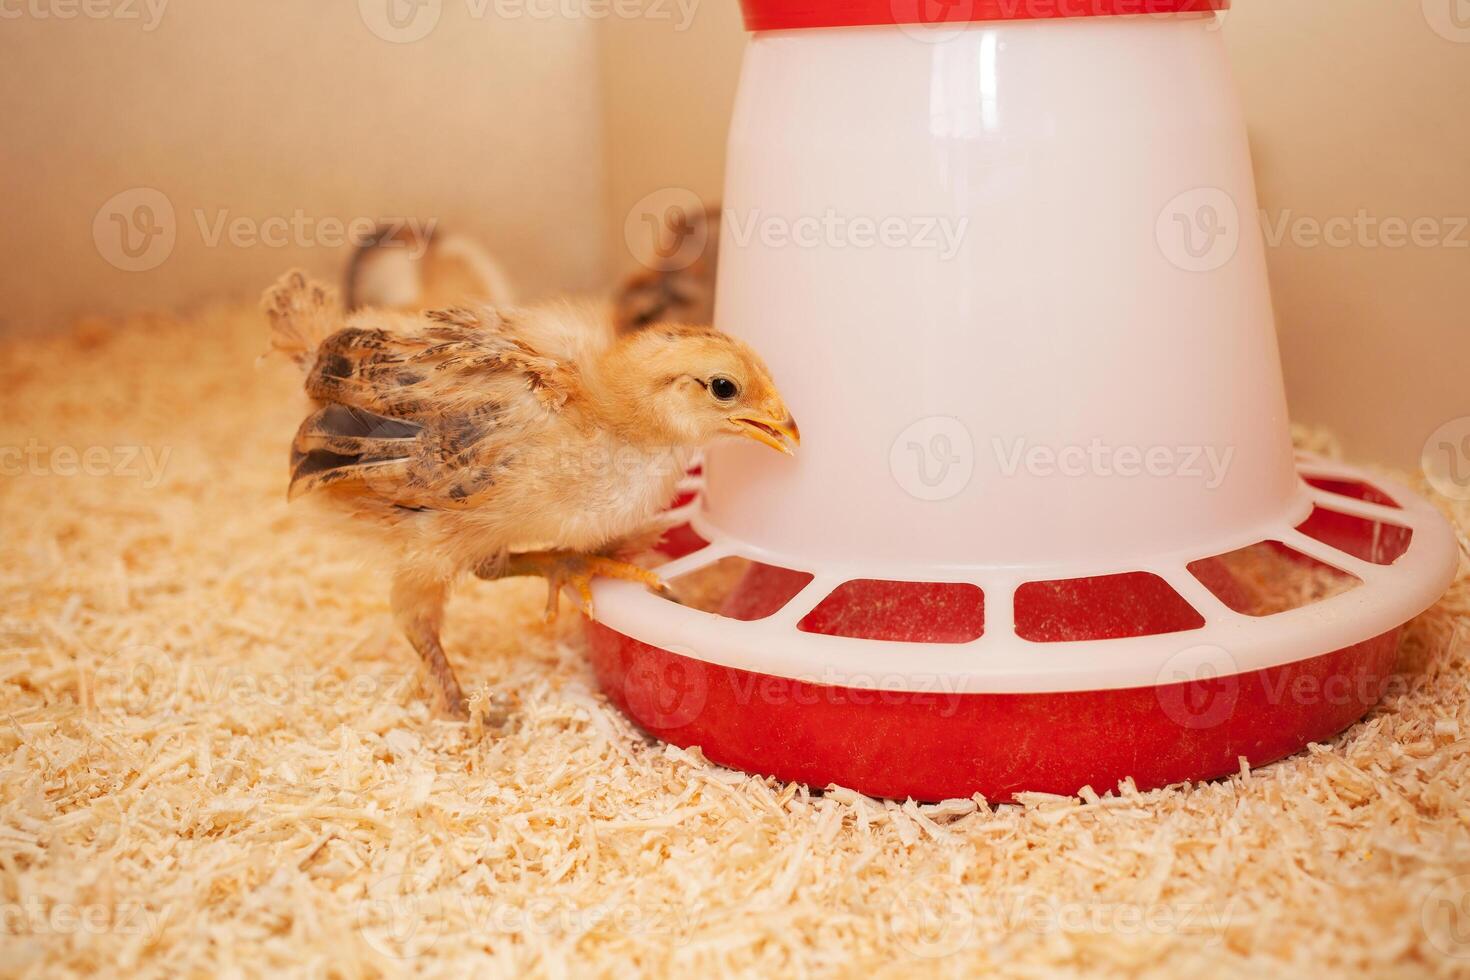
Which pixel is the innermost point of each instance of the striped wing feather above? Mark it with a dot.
(421, 418)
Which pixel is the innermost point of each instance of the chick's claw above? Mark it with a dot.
(574, 570)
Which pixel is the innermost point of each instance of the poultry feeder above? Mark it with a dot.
(1044, 472)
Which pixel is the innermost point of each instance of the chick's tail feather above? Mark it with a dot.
(301, 314)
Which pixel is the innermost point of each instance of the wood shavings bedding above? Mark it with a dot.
(218, 760)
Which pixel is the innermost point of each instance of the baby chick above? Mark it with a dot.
(404, 267)
(505, 442)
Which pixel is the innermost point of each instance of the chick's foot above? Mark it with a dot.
(575, 571)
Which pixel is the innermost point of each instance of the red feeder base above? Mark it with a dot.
(934, 746)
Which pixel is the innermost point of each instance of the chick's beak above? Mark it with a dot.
(778, 431)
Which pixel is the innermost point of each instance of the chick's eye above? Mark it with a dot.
(723, 388)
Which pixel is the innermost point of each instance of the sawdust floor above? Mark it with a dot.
(217, 760)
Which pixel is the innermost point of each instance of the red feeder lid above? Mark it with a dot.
(782, 15)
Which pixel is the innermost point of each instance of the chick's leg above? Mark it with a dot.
(418, 605)
(573, 570)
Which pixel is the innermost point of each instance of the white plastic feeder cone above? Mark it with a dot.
(1008, 274)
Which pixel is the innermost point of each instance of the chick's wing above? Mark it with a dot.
(423, 417)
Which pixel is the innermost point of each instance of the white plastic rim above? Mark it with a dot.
(1074, 271)
(1002, 662)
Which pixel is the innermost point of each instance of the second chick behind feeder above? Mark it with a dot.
(505, 442)
(403, 268)
(683, 292)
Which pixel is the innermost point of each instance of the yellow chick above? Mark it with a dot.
(505, 442)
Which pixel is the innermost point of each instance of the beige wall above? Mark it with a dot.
(539, 135)
(667, 97)
(264, 108)
(1364, 106)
